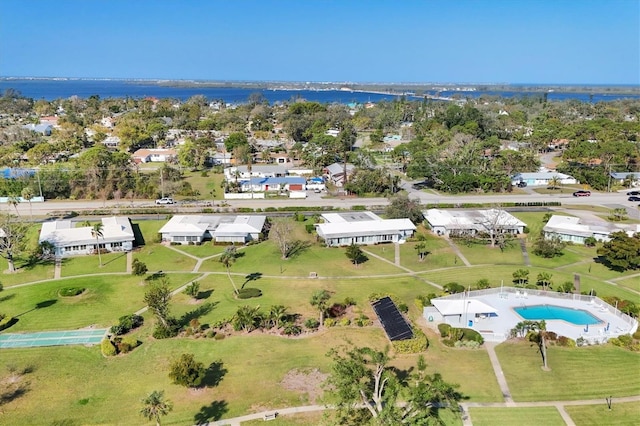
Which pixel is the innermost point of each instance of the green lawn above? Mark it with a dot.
(160, 258)
(480, 254)
(105, 299)
(595, 415)
(632, 282)
(205, 184)
(205, 250)
(576, 373)
(521, 416)
(266, 258)
(84, 265)
(25, 273)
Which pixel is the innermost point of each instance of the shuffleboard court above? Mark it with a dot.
(52, 338)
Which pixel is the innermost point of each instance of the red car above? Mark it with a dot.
(582, 193)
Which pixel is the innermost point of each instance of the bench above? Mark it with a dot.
(271, 416)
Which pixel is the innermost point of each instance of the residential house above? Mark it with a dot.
(334, 173)
(111, 141)
(69, 240)
(626, 178)
(472, 222)
(362, 227)
(154, 155)
(576, 230)
(266, 184)
(542, 178)
(194, 229)
(44, 129)
(257, 170)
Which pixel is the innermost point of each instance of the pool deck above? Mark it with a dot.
(496, 328)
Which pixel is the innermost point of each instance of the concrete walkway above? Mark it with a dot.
(457, 251)
(57, 268)
(497, 369)
(129, 262)
(409, 271)
(525, 253)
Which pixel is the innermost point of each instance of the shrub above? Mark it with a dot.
(419, 343)
(291, 329)
(453, 287)
(108, 348)
(466, 344)
(329, 322)
(249, 292)
(127, 323)
(402, 307)
(448, 342)
(345, 322)
(165, 332)
(312, 323)
(70, 291)
(565, 341)
(138, 267)
(469, 334)
(186, 371)
(127, 344)
(337, 310)
(362, 321)
(580, 341)
(444, 329)
(350, 301)
(310, 228)
(218, 336)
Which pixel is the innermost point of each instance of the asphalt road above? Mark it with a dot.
(609, 200)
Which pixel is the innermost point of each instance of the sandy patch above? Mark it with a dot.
(307, 382)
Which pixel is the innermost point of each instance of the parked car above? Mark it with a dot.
(521, 184)
(582, 193)
(165, 200)
(634, 198)
(633, 193)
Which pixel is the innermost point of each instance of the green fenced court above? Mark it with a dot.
(52, 338)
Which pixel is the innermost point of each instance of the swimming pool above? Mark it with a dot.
(551, 312)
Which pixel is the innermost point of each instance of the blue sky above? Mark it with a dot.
(508, 41)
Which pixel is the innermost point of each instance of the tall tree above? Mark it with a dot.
(422, 249)
(320, 301)
(345, 139)
(13, 233)
(157, 297)
(96, 232)
(282, 233)
(521, 277)
(355, 254)
(186, 371)
(622, 252)
(228, 258)
(155, 406)
(362, 377)
(544, 279)
(535, 332)
(27, 194)
(401, 206)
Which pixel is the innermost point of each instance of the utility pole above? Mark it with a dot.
(39, 184)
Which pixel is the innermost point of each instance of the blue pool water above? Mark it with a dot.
(551, 312)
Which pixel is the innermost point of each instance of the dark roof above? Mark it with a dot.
(393, 322)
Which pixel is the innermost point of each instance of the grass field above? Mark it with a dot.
(84, 265)
(521, 416)
(626, 414)
(606, 369)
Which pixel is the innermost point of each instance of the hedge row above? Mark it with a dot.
(419, 343)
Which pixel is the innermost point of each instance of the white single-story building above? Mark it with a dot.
(542, 178)
(257, 170)
(471, 222)
(42, 128)
(287, 183)
(185, 229)
(154, 155)
(576, 230)
(362, 227)
(69, 240)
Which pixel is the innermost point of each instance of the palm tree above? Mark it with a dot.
(96, 232)
(554, 182)
(537, 334)
(277, 314)
(27, 194)
(544, 279)
(246, 318)
(14, 201)
(319, 300)
(521, 276)
(155, 406)
(228, 258)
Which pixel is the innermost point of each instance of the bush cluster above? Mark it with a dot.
(312, 323)
(127, 323)
(70, 291)
(249, 292)
(108, 348)
(626, 341)
(419, 343)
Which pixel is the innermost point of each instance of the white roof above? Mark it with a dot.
(360, 223)
(543, 175)
(64, 233)
(472, 219)
(576, 226)
(199, 224)
(462, 306)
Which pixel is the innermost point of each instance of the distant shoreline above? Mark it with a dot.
(399, 88)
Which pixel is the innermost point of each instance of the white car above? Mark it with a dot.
(165, 200)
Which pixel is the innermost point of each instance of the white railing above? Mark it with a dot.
(632, 322)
